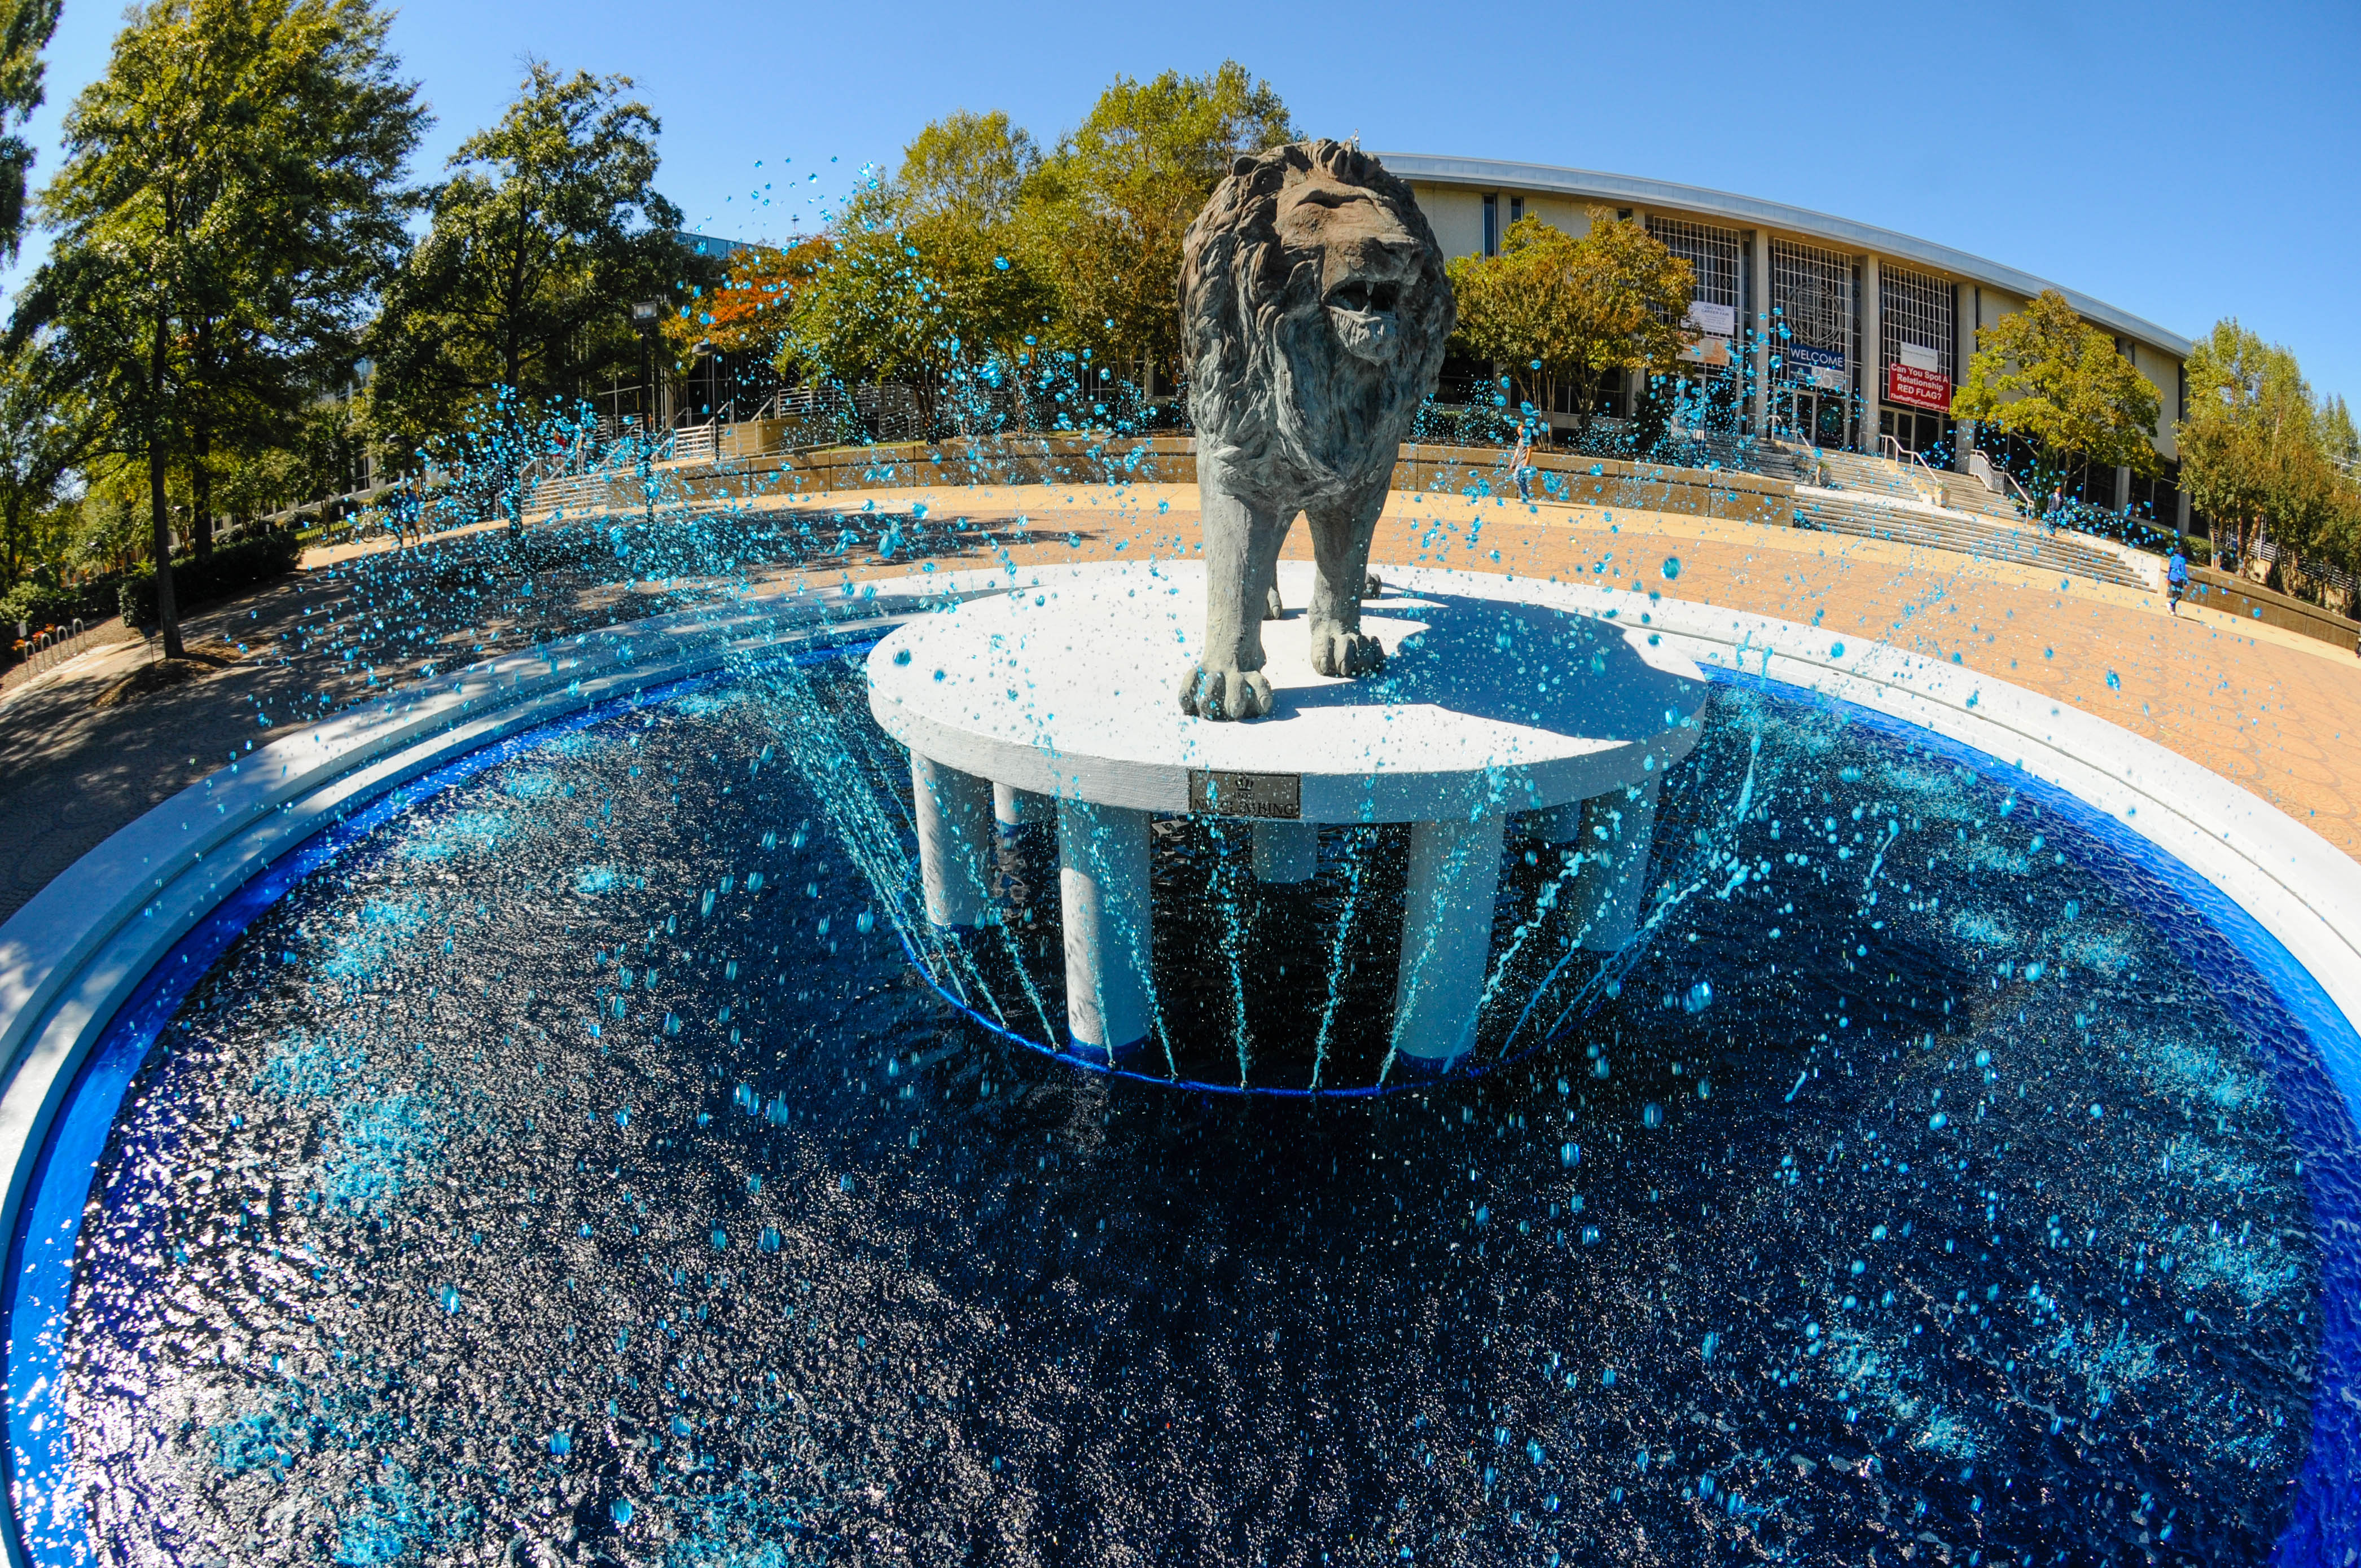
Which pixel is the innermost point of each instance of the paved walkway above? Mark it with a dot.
(2278, 712)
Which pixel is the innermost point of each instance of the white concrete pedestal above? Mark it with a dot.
(1446, 938)
(1618, 830)
(1014, 807)
(954, 815)
(1103, 889)
(1496, 699)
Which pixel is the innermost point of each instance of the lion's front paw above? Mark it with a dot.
(1347, 653)
(1224, 694)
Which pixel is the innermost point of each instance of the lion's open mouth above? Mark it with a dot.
(1364, 296)
(1362, 313)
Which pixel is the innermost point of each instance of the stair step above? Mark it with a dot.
(1861, 515)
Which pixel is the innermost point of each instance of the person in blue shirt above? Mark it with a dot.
(2175, 579)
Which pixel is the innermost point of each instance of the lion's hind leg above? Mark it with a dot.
(1340, 550)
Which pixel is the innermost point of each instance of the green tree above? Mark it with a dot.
(26, 27)
(548, 228)
(40, 442)
(922, 304)
(2259, 452)
(1555, 308)
(923, 279)
(2044, 375)
(966, 169)
(1105, 214)
(230, 196)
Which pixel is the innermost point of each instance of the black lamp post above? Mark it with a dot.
(647, 319)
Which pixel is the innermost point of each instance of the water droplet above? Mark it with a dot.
(2114, 682)
(621, 1511)
(1651, 1115)
(1671, 565)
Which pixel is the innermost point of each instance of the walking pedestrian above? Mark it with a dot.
(1520, 463)
(2175, 579)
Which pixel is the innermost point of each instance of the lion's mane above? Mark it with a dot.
(1271, 391)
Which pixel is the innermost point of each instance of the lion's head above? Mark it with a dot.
(1313, 312)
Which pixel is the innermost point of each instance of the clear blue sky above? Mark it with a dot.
(2182, 162)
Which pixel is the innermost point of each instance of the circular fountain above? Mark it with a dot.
(545, 1146)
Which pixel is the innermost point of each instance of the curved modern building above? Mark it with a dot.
(1879, 327)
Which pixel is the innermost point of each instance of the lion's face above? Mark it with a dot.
(1362, 256)
(1313, 311)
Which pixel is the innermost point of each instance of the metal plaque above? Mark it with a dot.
(1217, 792)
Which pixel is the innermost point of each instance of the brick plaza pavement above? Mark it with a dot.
(2278, 712)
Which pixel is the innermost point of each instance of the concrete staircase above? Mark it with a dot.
(1869, 515)
(1965, 493)
(1880, 476)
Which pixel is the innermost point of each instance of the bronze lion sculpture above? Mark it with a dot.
(1313, 312)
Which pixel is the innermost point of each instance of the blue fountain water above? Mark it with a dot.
(515, 1166)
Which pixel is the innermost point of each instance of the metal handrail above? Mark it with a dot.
(1902, 453)
(1982, 467)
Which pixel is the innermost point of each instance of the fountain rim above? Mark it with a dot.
(73, 954)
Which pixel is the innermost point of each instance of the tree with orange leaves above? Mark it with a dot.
(748, 312)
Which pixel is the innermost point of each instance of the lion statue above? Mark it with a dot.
(1313, 311)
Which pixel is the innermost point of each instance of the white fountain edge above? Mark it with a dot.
(72, 954)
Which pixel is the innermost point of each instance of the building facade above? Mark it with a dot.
(1813, 328)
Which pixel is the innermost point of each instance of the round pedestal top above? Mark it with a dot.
(1493, 700)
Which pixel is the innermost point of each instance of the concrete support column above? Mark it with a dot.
(1447, 942)
(1763, 330)
(1286, 852)
(1967, 316)
(2123, 489)
(2180, 523)
(1871, 306)
(1618, 830)
(954, 813)
(1103, 892)
(1014, 807)
(1553, 825)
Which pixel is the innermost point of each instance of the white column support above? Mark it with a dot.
(1446, 943)
(1762, 263)
(954, 813)
(1873, 354)
(1014, 807)
(1286, 852)
(1103, 886)
(1618, 830)
(1552, 825)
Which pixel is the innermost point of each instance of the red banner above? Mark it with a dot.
(1919, 388)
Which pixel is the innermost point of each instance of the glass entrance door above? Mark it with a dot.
(1813, 415)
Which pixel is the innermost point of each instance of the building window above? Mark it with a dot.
(1917, 312)
(1811, 297)
(1516, 209)
(1712, 255)
(1491, 226)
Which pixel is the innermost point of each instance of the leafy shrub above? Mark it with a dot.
(37, 606)
(217, 576)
